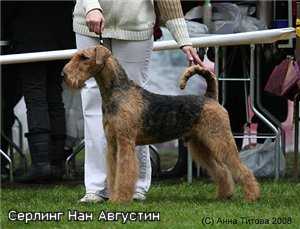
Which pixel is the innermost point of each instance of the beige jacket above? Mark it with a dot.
(132, 19)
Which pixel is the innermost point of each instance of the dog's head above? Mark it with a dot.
(84, 65)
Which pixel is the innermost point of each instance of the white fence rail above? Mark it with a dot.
(257, 37)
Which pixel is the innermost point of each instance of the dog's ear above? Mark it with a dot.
(102, 54)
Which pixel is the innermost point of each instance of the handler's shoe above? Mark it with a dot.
(91, 198)
(94, 198)
(138, 196)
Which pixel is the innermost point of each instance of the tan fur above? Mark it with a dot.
(210, 140)
(212, 87)
(213, 147)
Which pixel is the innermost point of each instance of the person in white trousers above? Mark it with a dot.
(127, 28)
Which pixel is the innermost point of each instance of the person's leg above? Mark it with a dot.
(235, 95)
(134, 56)
(57, 117)
(95, 143)
(33, 77)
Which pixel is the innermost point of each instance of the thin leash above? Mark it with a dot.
(100, 39)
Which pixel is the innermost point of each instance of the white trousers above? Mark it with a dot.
(134, 56)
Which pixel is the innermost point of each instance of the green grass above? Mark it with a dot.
(180, 205)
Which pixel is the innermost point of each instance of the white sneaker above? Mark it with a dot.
(139, 196)
(91, 198)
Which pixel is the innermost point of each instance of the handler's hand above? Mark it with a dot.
(191, 55)
(95, 21)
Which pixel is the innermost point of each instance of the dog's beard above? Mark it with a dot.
(75, 83)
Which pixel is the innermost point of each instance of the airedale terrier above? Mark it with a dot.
(134, 116)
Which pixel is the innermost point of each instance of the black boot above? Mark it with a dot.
(40, 168)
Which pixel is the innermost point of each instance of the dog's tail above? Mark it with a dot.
(211, 80)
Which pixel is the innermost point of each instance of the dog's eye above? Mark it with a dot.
(83, 57)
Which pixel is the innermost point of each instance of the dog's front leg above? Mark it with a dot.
(126, 171)
(111, 158)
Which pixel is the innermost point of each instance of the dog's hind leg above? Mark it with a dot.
(213, 130)
(126, 171)
(216, 169)
(241, 173)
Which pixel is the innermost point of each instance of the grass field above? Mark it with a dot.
(180, 206)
